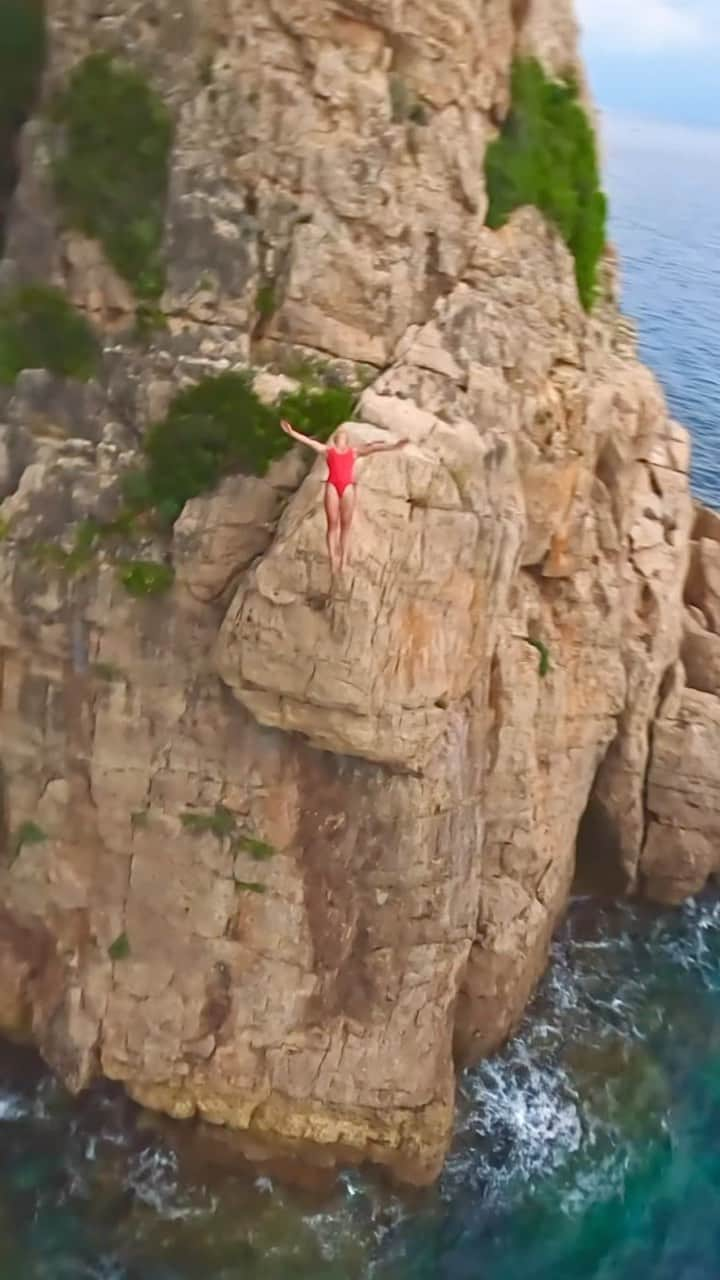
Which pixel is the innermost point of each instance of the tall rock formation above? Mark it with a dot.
(399, 745)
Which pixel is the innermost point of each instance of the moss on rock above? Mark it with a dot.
(111, 174)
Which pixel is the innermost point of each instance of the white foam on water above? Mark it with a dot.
(525, 1118)
(520, 1120)
(153, 1176)
(12, 1107)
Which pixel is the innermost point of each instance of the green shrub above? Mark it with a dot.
(142, 578)
(546, 156)
(111, 175)
(40, 329)
(316, 413)
(266, 303)
(220, 427)
(22, 58)
(150, 320)
(120, 948)
(27, 833)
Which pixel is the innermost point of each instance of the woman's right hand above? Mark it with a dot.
(286, 427)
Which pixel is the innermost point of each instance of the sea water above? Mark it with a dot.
(589, 1148)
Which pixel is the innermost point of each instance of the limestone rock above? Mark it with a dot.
(296, 843)
(683, 841)
(376, 665)
(215, 539)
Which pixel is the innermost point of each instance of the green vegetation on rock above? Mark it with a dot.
(219, 823)
(78, 559)
(546, 156)
(27, 833)
(316, 413)
(544, 663)
(266, 303)
(111, 174)
(222, 824)
(40, 329)
(142, 578)
(259, 850)
(120, 948)
(22, 58)
(220, 427)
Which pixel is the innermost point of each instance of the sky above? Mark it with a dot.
(654, 58)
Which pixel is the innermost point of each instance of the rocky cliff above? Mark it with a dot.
(278, 855)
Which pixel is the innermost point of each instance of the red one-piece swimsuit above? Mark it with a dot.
(341, 468)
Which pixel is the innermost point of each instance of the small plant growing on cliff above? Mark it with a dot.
(220, 427)
(150, 320)
(28, 833)
(40, 329)
(220, 822)
(250, 886)
(111, 173)
(266, 303)
(546, 156)
(75, 562)
(120, 948)
(259, 850)
(4, 529)
(405, 103)
(544, 663)
(143, 578)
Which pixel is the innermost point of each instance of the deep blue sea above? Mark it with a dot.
(664, 186)
(589, 1149)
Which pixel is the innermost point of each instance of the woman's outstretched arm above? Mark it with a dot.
(380, 447)
(298, 435)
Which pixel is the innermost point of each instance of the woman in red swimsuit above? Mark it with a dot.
(340, 485)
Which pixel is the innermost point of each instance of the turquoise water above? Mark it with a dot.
(590, 1148)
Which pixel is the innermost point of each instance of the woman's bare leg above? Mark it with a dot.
(347, 511)
(332, 516)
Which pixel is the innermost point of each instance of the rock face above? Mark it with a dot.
(683, 847)
(393, 751)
